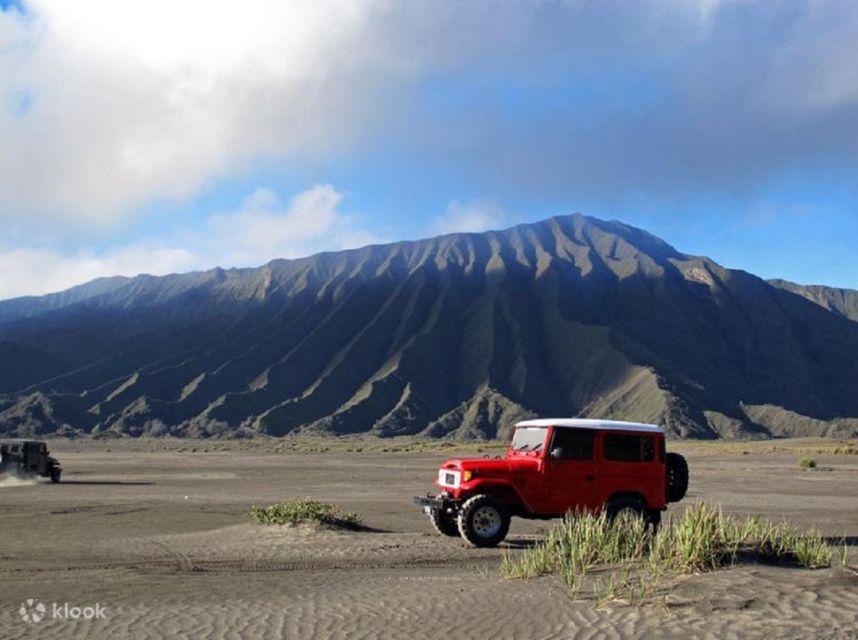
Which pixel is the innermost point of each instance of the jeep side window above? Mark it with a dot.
(647, 449)
(628, 448)
(576, 444)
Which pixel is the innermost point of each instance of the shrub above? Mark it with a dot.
(811, 550)
(807, 463)
(701, 539)
(295, 512)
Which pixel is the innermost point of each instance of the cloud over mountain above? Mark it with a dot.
(105, 106)
(264, 226)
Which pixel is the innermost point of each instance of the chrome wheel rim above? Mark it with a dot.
(486, 522)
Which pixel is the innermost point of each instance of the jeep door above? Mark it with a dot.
(37, 457)
(571, 471)
(630, 464)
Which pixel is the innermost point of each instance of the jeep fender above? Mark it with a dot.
(502, 489)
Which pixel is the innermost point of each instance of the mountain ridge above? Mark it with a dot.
(453, 336)
(841, 301)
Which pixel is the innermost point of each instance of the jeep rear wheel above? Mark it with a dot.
(631, 508)
(625, 508)
(483, 521)
(444, 524)
(654, 518)
(677, 477)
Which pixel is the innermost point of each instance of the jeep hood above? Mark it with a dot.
(492, 466)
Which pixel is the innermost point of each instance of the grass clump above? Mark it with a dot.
(310, 510)
(638, 559)
(807, 463)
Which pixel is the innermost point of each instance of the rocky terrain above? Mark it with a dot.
(455, 336)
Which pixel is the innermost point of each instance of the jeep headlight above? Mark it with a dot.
(467, 475)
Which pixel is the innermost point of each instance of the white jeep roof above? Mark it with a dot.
(592, 424)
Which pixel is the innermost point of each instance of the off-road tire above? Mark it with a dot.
(483, 521)
(444, 524)
(677, 477)
(654, 519)
(56, 475)
(633, 507)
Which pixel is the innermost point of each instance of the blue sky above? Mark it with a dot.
(163, 136)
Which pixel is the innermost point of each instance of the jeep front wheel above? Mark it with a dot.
(483, 521)
(444, 524)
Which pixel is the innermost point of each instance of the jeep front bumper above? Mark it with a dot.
(442, 503)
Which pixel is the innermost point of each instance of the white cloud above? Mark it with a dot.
(471, 216)
(263, 223)
(130, 101)
(30, 271)
(263, 228)
(107, 106)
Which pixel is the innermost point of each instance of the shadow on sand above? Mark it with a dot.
(524, 543)
(106, 482)
(839, 541)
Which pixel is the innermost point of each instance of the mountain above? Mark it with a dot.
(34, 305)
(455, 336)
(843, 302)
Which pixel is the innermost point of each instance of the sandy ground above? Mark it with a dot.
(159, 537)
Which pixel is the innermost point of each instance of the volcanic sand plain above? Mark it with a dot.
(157, 532)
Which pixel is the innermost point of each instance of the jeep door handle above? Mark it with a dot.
(589, 477)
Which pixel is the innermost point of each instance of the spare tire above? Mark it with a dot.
(677, 477)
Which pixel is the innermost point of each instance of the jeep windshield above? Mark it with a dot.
(529, 438)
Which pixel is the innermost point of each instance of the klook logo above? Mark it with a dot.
(33, 611)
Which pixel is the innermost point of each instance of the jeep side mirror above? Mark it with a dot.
(558, 453)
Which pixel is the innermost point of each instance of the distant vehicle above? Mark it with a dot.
(553, 467)
(28, 458)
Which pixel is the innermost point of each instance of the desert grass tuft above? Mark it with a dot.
(307, 511)
(638, 559)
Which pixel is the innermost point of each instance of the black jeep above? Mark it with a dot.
(28, 458)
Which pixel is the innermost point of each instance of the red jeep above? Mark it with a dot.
(553, 467)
